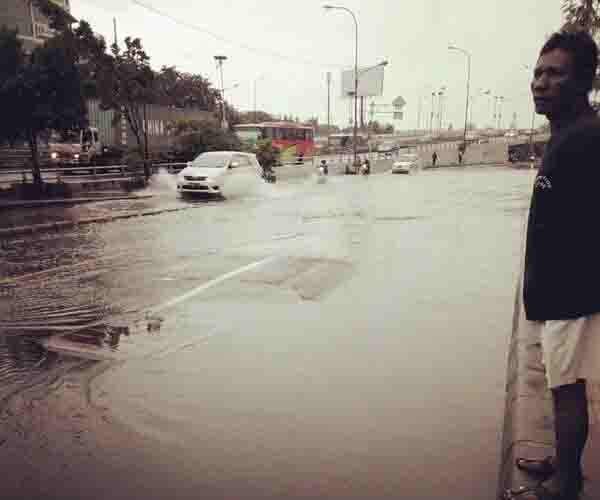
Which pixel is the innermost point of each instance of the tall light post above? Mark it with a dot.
(328, 104)
(500, 101)
(474, 99)
(219, 60)
(255, 82)
(432, 113)
(440, 109)
(355, 132)
(468, 55)
(531, 152)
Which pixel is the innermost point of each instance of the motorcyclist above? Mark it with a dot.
(324, 167)
(267, 172)
(366, 166)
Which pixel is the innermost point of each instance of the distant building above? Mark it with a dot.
(31, 25)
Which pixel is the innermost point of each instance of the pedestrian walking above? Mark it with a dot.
(434, 158)
(460, 157)
(561, 275)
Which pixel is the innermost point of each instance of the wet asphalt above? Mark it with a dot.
(298, 340)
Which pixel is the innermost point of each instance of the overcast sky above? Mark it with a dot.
(290, 45)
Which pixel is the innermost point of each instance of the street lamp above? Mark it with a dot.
(531, 152)
(219, 60)
(355, 132)
(466, 53)
(500, 99)
(474, 100)
(255, 82)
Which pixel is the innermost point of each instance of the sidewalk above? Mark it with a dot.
(528, 427)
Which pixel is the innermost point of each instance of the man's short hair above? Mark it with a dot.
(583, 51)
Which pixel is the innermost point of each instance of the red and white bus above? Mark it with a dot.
(292, 140)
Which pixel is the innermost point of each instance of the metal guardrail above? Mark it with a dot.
(64, 174)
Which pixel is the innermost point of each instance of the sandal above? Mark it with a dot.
(538, 492)
(543, 468)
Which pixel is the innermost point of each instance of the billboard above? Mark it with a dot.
(370, 82)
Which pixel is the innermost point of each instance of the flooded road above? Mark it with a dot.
(343, 340)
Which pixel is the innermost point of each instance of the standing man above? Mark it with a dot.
(461, 152)
(434, 158)
(561, 282)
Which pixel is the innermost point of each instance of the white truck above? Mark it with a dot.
(80, 148)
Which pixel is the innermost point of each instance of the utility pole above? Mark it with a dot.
(432, 112)
(328, 103)
(115, 30)
(219, 60)
(440, 108)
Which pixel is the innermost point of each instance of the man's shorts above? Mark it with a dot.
(571, 350)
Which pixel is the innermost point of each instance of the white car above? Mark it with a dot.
(406, 163)
(219, 173)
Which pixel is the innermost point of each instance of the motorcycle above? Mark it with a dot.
(322, 173)
(269, 176)
(365, 168)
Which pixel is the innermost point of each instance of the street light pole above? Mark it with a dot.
(355, 132)
(466, 53)
(432, 113)
(220, 60)
(531, 152)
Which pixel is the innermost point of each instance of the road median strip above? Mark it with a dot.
(17, 230)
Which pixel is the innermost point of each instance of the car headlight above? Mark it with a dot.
(76, 156)
(54, 155)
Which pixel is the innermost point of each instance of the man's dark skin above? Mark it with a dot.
(564, 100)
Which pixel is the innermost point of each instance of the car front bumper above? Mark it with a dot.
(199, 187)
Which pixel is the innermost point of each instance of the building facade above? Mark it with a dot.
(31, 25)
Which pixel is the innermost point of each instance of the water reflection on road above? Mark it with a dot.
(345, 338)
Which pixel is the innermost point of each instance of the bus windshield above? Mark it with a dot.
(248, 133)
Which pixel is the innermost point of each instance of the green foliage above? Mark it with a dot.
(198, 136)
(185, 90)
(266, 154)
(126, 84)
(38, 94)
(250, 117)
(582, 15)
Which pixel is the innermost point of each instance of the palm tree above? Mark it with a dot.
(583, 15)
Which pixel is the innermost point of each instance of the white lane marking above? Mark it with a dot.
(209, 284)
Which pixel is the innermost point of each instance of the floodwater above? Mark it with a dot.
(340, 340)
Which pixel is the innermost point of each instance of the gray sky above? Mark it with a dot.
(502, 36)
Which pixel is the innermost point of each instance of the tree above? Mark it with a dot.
(126, 84)
(185, 90)
(198, 136)
(582, 15)
(38, 94)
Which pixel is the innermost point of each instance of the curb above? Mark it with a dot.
(528, 417)
(67, 201)
(51, 226)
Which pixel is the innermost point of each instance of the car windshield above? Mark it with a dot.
(70, 137)
(210, 161)
(248, 133)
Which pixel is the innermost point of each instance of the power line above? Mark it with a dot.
(220, 38)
